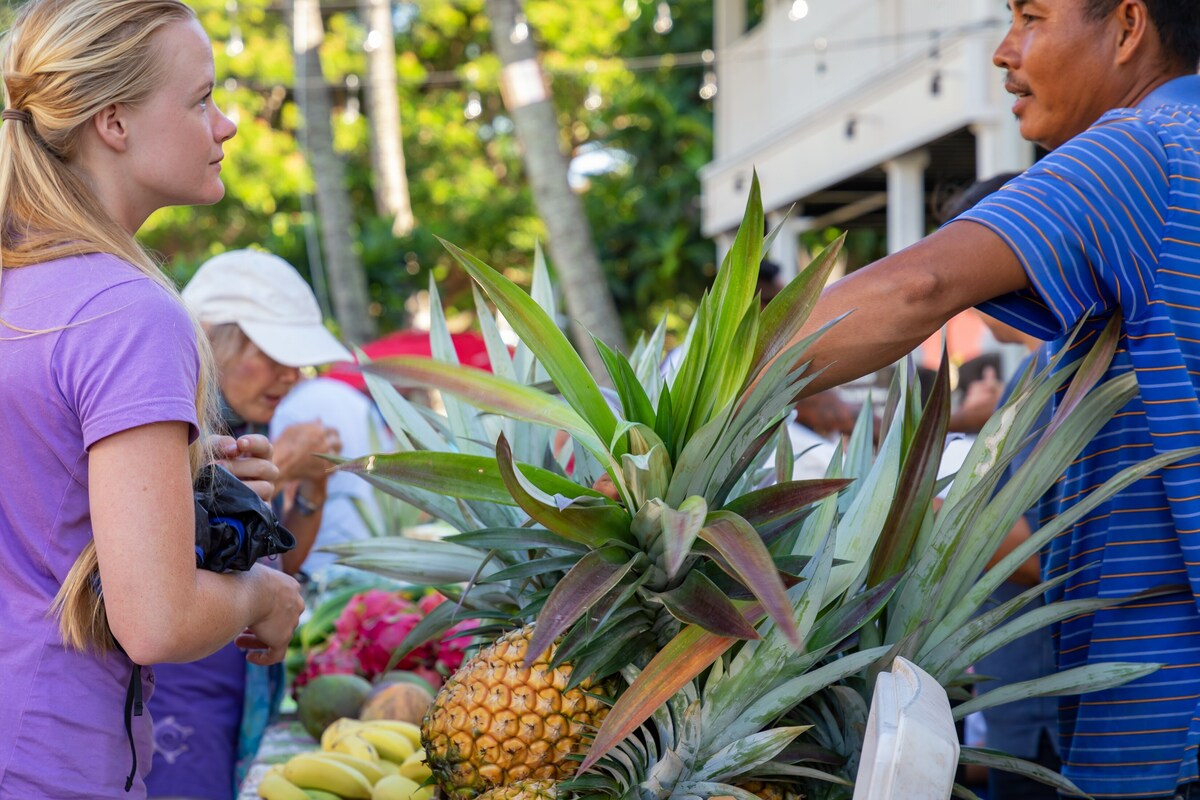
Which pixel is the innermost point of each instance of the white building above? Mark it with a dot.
(854, 111)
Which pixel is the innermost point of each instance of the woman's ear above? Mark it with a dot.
(110, 125)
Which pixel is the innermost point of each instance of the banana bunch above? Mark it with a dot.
(358, 760)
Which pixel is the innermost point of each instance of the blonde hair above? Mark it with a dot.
(64, 61)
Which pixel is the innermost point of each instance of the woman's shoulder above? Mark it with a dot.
(103, 282)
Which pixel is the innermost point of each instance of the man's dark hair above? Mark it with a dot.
(1177, 23)
(951, 203)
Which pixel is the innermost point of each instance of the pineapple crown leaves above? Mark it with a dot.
(903, 462)
(917, 483)
(557, 356)
(994, 759)
(1088, 678)
(733, 432)
(944, 584)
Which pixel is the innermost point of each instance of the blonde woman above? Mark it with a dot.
(104, 394)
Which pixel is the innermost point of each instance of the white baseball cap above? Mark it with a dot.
(266, 297)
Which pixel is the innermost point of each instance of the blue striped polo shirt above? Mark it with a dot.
(1110, 223)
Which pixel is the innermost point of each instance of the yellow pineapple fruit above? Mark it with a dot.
(523, 790)
(769, 790)
(495, 722)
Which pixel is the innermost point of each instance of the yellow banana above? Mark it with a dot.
(318, 771)
(391, 745)
(410, 731)
(389, 767)
(371, 770)
(337, 729)
(317, 794)
(274, 786)
(354, 745)
(417, 770)
(418, 755)
(394, 787)
(424, 793)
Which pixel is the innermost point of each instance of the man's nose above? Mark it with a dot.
(1006, 55)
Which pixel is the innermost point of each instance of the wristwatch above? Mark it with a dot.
(304, 506)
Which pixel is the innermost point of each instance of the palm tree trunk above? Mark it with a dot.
(347, 280)
(383, 113)
(570, 244)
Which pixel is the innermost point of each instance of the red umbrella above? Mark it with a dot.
(470, 347)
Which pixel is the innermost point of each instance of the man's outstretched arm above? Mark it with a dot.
(898, 301)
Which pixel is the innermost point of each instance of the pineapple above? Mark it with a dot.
(742, 612)
(523, 790)
(769, 790)
(496, 722)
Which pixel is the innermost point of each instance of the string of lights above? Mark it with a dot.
(706, 60)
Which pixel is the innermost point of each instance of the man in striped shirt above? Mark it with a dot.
(1107, 223)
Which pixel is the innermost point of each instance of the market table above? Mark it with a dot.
(281, 741)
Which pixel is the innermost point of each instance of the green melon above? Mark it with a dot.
(404, 676)
(329, 697)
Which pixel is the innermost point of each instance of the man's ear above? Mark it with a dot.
(109, 123)
(1134, 22)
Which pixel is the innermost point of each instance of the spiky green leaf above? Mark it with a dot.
(698, 601)
(537, 330)
(592, 577)
(744, 552)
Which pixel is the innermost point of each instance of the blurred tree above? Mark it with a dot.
(644, 133)
(383, 112)
(347, 282)
(527, 98)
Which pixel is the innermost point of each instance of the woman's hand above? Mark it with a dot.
(267, 640)
(295, 446)
(249, 459)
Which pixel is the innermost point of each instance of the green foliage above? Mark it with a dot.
(466, 178)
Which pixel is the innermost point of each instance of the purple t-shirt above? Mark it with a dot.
(126, 357)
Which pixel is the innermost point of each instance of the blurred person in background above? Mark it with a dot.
(264, 324)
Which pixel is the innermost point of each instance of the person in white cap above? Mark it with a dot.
(264, 324)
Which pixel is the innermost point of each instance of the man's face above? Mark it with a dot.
(1061, 66)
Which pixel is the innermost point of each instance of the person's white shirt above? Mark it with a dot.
(811, 451)
(362, 432)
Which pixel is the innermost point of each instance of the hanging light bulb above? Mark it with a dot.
(236, 44)
(662, 19)
(520, 29)
(351, 111)
(709, 90)
(798, 11)
(474, 106)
